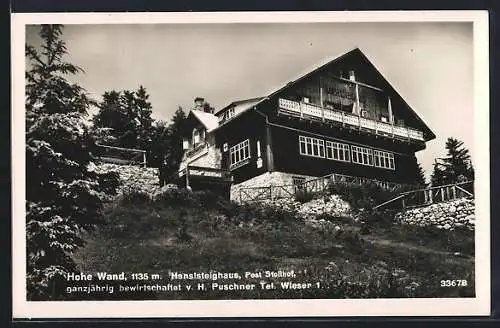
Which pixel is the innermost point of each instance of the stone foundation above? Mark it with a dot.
(447, 215)
(264, 180)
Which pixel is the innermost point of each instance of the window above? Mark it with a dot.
(196, 137)
(362, 155)
(384, 159)
(337, 151)
(228, 114)
(240, 153)
(311, 147)
(298, 183)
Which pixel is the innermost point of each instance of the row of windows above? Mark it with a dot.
(315, 147)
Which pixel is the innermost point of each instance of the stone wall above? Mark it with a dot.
(264, 180)
(132, 177)
(447, 215)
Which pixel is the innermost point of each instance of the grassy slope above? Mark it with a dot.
(146, 237)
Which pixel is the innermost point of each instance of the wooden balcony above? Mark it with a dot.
(304, 110)
(197, 150)
(205, 172)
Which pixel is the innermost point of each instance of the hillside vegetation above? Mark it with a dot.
(183, 231)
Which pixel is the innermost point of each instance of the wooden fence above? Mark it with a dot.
(427, 196)
(118, 155)
(315, 185)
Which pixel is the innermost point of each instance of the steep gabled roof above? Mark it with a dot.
(243, 104)
(209, 121)
(357, 54)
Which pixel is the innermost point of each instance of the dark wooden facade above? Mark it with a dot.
(345, 101)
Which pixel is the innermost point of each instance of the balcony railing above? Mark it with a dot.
(201, 171)
(309, 110)
(198, 149)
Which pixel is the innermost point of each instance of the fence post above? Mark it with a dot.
(442, 194)
(403, 203)
(454, 191)
(430, 196)
(270, 192)
(240, 197)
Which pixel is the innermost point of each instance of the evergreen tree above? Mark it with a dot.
(455, 167)
(175, 139)
(420, 176)
(144, 120)
(124, 119)
(63, 196)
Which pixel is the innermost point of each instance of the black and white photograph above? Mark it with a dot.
(256, 164)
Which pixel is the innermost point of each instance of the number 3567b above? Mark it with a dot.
(453, 283)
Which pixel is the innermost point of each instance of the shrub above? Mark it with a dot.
(364, 196)
(304, 196)
(203, 199)
(135, 197)
(378, 218)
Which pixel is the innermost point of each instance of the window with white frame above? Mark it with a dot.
(240, 153)
(362, 155)
(337, 151)
(311, 147)
(383, 159)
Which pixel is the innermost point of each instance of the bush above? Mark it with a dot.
(378, 218)
(135, 197)
(194, 199)
(304, 196)
(364, 196)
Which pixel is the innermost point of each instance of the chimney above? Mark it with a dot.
(199, 103)
(352, 77)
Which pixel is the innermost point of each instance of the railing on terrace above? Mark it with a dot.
(427, 196)
(202, 171)
(251, 194)
(312, 111)
(197, 150)
(118, 155)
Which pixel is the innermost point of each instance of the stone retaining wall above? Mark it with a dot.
(264, 180)
(447, 215)
(132, 177)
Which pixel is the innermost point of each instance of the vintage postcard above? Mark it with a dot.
(250, 164)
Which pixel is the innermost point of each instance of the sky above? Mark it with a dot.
(430, 64)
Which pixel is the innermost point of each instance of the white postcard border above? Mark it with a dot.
(480, 305)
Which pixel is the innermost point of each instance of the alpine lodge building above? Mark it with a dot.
(341, 120)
